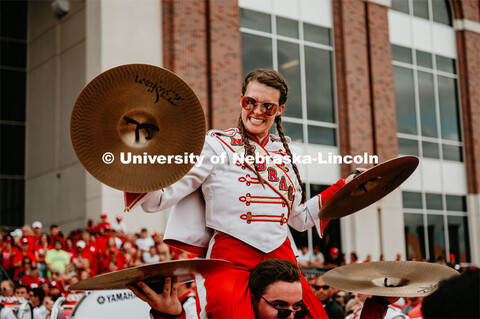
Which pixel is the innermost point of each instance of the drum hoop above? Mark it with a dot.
(82, 299)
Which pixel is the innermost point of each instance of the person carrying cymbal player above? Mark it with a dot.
(275, 288)
(247, 206)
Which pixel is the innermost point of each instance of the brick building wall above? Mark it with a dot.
(468, 48)
(354, 101)
(202, 44)
(381, 82)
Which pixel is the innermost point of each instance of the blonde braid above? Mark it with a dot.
(278, 121)
(248, 148)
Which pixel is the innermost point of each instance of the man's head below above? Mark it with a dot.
(276, 290)
(323, 291)
(7, 288)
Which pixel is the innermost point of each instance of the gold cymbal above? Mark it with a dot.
(145, 118)
(154, 274)
(389, 278)
(368, 187)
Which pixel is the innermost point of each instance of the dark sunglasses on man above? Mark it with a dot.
(285, 313)
(267, 108)
(324, 287)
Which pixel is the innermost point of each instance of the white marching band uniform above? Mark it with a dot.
(225, 198)
(234, 202)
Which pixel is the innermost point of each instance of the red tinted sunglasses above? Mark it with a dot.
(267, 108)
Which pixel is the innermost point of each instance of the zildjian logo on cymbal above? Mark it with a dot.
(171, 96)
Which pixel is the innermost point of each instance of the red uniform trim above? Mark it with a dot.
(183, 246)
(266, 181)
(131, 199)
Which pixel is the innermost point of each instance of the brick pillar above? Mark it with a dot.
(225, 63)
(381, 82)
(353, 89)
(467, 25)
(202, 44)
(185, 44)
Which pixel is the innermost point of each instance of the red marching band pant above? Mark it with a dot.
(226, 294)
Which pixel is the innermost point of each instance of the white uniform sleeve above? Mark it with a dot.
(172, 194)
(304, 216)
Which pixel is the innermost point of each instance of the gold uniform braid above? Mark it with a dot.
(248, 148)
(278, 121)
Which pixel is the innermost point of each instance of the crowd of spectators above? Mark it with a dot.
(335, 258)
(40, 266)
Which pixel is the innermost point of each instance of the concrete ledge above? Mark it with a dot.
(467, 25)
(385, 3)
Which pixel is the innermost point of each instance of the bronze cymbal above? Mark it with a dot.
(144, 116)
(368, 187)
(389, 278)
(153, 274)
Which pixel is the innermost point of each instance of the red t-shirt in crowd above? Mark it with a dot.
(8, 256)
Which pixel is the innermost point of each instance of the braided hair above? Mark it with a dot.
(278, 122)
(273, 79)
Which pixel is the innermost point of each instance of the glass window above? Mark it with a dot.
(414, 236)
(405, 100)
(412, 200)
(424, 59)
(316, 189)
(452, 153)
(12, 201)
(321, 135)
(420, 8)
(256, 20)
(287, 27)
(12, 105)
(456, 203)
(307, 69)
(12, 143)
(400, 5)
(257, 52)
(13, 53)
(318, 74)
(408, 147)
(315, 33)
(430, 150)
(436, 237)
(449, 118)
(14, 20)
(289, 67)
(426, 99)
(294, 131)
(445, 64)
(434, 201)
(401, 54)
(441, 12)
(458, 238)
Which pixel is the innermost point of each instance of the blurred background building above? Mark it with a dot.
(389, 78)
